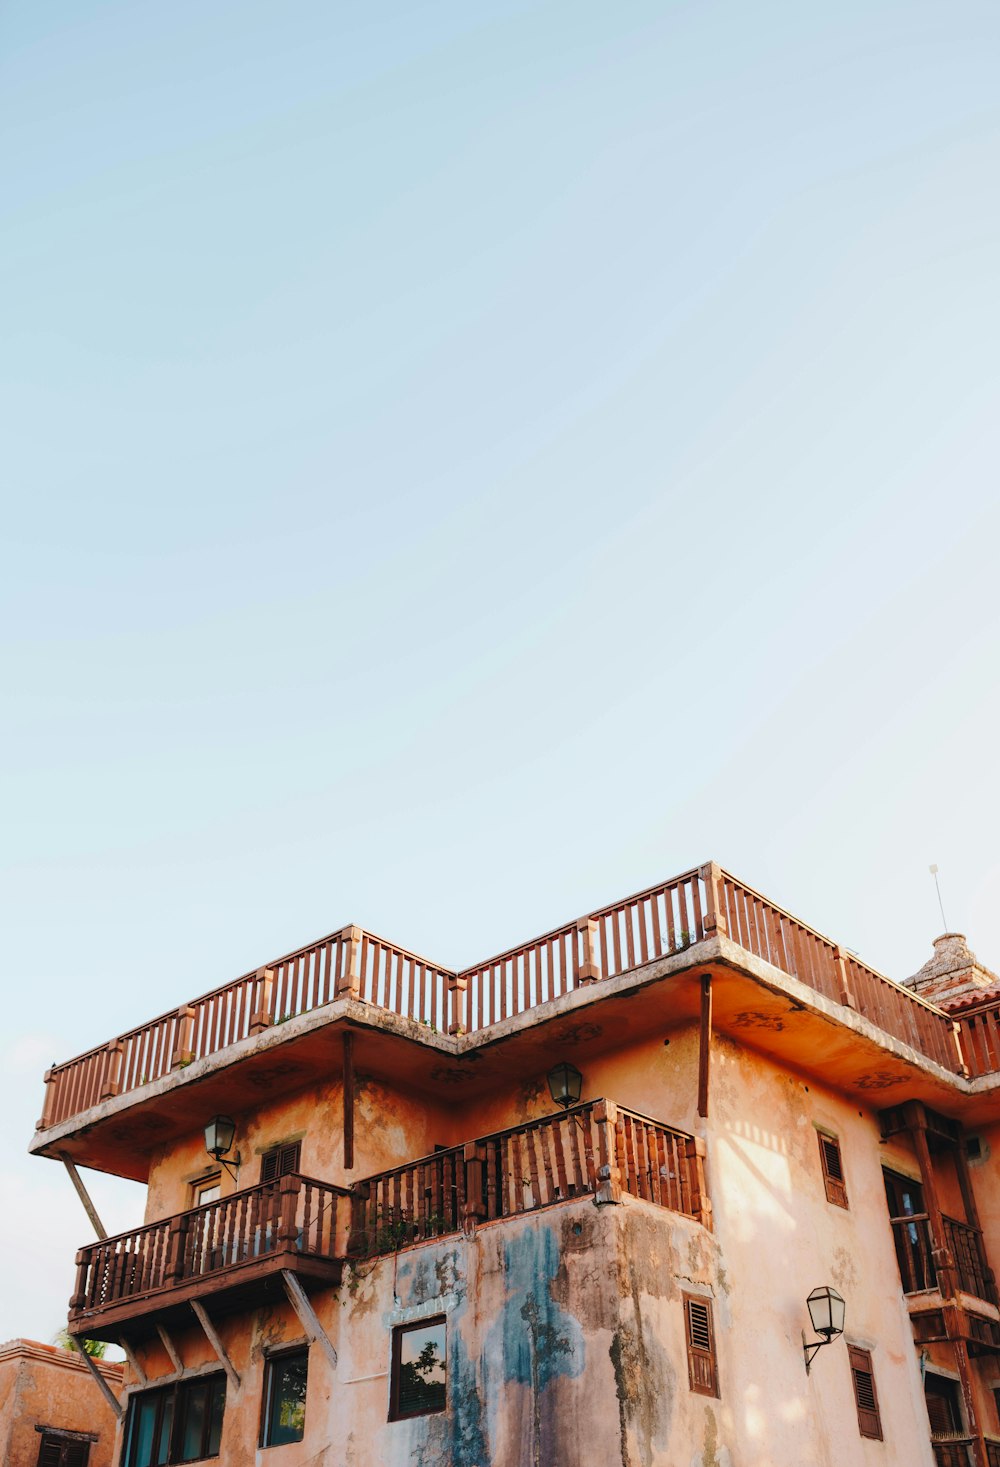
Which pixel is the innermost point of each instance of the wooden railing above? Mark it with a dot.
(966, 1245)
(954, 1451)
(915, 1254)
(296, 1214)
(656, 923)
(596, 1147)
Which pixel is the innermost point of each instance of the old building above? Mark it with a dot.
(50, 1410)
(563, 1207)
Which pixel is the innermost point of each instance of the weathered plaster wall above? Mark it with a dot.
(566, 1328)
(41, 1385)
(390, 1126)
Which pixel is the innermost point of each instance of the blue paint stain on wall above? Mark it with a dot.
(540, 1340)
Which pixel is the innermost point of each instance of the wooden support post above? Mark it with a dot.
(349, 983)
(263, 1017)
(458, 988)
(112, 1083)
(715, 910)
(695, 1152)
(843, 983)
(357, 1237)
(102, 1384)
(133, 1360)
(170, 1348)
(216, 1343)
(48, 1104)
(83, 1194)
(307, 1316)
(183, 1052)
(288, 1202)
(969, 1401)
(79, 1299)
(176, 1248)
(608, 1171)
(704, 1044)
(474, 1206)
(348, 1041)
(972, 1212)
(589, 970)
(944, 1263)
(956, 1034)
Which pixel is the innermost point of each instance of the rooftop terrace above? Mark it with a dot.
(663, 921)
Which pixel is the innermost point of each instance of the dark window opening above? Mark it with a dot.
(703, 1375)
(943, 1410)
(419, 1382)
(910, 1233)
(179, 1423)
(284, 1415)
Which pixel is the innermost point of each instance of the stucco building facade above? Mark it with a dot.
(50, 1411)
(563, 1207)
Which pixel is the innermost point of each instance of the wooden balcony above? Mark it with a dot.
(661, 922)
(233, 1250)
(917, 1267)
(595, 1149)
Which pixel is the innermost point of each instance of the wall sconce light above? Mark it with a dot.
(565, 1084)
(219, 1135)
(826, 1312)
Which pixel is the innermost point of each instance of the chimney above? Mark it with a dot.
(953, 972)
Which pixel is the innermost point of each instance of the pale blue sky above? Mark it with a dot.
(464, 463)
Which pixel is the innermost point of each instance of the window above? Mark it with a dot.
(833, 1169)
(63, 1448)
(279, 1161)
(869, 1421)
(703, 1375)
(943, 1411)
(207, 1190)
(180, 1423)
(284, 1414)
(419, 1381)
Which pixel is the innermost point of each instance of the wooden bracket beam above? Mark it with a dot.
(348, 1039)
(84, 1195)
(215, 1342)
(102, 1384)
(307, 1316)
(170, 1348)
(704, 1044)
(133, 1360)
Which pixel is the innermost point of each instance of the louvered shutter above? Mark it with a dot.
(702, 1373)
(869, 1421)
(833, 1170)
(76, 1454)
(280, 1161)
(50, 1452)
(939, 1413)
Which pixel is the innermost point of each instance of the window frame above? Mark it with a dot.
(176, 1392)
(273, 1358)
(860, 1363)
(834, 1181)
(701, 1360)
(395, 1363)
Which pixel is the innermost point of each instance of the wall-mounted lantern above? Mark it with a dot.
(826, 1312)
(565, 1084)
(219, 1135)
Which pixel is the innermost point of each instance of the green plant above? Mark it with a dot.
(96, 1349)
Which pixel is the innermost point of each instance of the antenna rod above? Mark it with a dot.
(937, 886)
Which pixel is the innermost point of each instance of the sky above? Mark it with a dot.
(463, 464)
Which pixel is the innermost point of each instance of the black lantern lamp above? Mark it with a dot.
(219, 1135)
(565, 1084)
(826, 1312)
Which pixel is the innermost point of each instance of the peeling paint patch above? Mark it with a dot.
(540, 1340)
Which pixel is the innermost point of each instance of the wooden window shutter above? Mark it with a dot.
(50, 1452)
(869, 1421)
(833, 1170)
(60, 1451)
(703, 1375)
(280, 1161)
